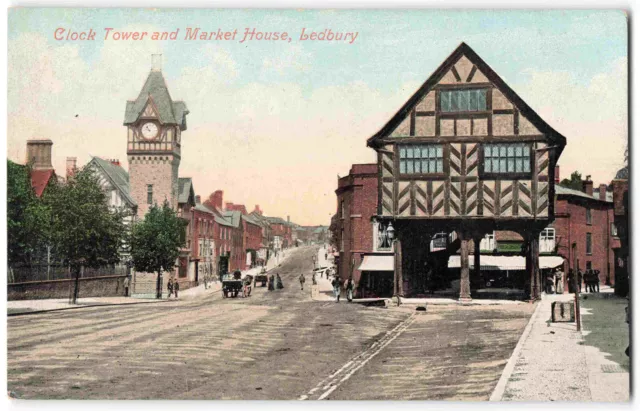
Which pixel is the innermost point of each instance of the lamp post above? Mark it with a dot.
(397, 262)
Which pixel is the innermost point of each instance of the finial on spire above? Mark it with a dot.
(156, 62)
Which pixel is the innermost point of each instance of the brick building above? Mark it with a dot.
(584, 230)
(280, 232)
(203, 244)
(358, 236)
(620, 186)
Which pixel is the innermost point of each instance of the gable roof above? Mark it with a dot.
(40, 180)
(464, 50)
(155, 89)
(185, 191)
(249, 218)
(117, 175)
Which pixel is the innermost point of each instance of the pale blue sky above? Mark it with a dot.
(320, 100)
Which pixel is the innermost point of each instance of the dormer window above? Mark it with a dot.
(455, 101)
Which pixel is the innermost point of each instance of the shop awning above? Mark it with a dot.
(506, 262)
(377, 263)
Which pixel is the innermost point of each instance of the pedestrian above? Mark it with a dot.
(580, 280)
(126, 286)
(570, 277)
(549, 283)
(176, 287)
(170, 287)
(596, 280)
(279, 284)
(313, 278)
(350, 285)
(271, 283)
(302, 280)
(336, 288)
(559, 281)
(590, 276)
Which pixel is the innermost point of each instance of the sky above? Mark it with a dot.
(276, 123)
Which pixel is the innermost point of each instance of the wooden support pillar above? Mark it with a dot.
(533, 265)
(476, 259)
(465, 287)
(398, 282)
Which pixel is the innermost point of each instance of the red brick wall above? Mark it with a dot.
(359, 191)
(571, 227)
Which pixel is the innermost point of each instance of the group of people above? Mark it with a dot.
(338, 285)
(173, 286)
(275, 282)
(590, 278)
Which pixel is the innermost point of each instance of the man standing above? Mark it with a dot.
(349, 288)
(336, 288)
(126, 286)
(170, 287)
(301, 281)
(176, 287)
(596, 280)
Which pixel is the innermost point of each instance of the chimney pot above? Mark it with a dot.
(39, 154)
(197, 199)
(587, 186)
(71, 166)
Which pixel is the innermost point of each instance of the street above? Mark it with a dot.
(273, 345)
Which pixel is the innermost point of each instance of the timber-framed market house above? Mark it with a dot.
(465, 155)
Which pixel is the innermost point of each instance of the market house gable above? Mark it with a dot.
(466, 145)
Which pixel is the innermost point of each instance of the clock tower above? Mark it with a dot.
(154, 128)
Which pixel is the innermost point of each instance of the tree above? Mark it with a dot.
(28, 218)
(84, 231)
(575, 182)
(156, 242)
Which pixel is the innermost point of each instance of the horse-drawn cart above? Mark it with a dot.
(261, 278)
(232, 284)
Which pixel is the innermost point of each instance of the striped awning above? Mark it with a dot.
(506, 262)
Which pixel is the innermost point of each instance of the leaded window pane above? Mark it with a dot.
(496, 151)
(503, 151)
(403, 152)
(416, 165)
(463, 100)
(495, 165)
(510, 151)
(487, 165)
(410, 167)
(410, 152)
(425, 152)
(518, 165)
(527, 165)
(403, 167)
(487, 151)
(473, 100)
(439, 166)
(445, 101)
(518, 151)
(454, 102)
(439, 151)
(482, 100)
(510, 165)
(503, 165)
(425, 166)
(432, 151)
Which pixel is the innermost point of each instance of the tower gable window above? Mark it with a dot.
(454, 101)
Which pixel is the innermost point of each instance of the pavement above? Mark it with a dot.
(20, 307)
(554, 362)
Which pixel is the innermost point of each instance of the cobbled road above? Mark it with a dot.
(272, 345)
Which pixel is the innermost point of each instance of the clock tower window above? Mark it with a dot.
(149, 193)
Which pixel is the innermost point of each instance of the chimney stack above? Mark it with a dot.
(71, 166)
(197, 199)
(216, 199)
(587, 186)
(39, 154)
(115, 161)
(257, 209)
(602, 191)
(557, 175)
(288, 219)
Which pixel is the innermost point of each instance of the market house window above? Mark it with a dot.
(455, 101)
(421, 159)
(589, 245)
(588, 216)
(504, 159)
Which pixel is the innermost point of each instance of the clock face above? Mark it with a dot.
(149, 130)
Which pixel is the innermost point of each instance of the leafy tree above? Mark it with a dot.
(84, 231)
(28, 218)
(575, 182)
(156, 242)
